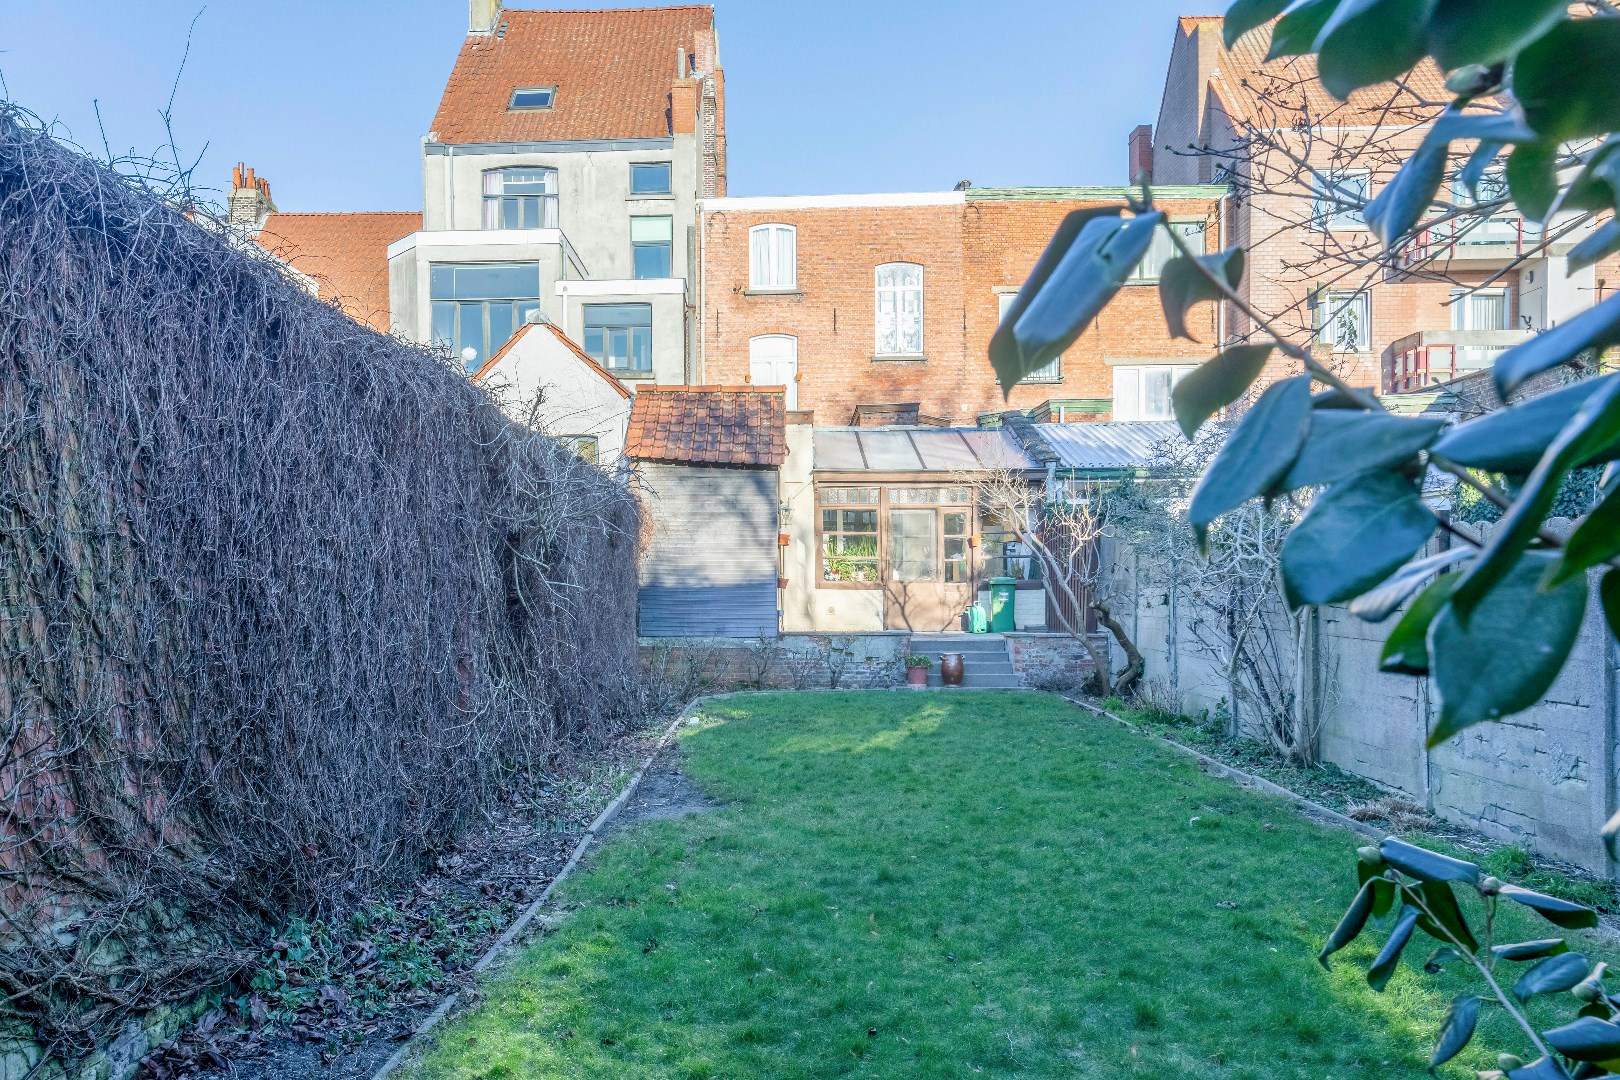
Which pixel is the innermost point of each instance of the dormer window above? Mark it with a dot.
(533, 97)
(520, 199)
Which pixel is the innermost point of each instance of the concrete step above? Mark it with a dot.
(979, 682)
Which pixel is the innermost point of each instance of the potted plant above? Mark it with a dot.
(917, 667)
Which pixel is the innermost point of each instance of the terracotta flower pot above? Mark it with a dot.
(950, 668)
(916, 676)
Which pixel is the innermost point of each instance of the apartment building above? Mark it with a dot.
(1296, 162)
(879, 309)
(561, 176)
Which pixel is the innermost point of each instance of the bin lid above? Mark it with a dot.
(1003, 581)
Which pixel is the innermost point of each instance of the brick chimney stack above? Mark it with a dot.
(1141, 154)
(249, 202)
(483, 16)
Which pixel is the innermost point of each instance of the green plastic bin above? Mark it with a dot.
(1002, 592)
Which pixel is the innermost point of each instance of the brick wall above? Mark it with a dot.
(1052, 661)
(788, 662)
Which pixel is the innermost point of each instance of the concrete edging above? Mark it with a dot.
(508, 940)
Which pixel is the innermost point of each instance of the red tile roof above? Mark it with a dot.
(584, 357)
(709, 425)
(345, 254)
(1273, 94)
(613, 71)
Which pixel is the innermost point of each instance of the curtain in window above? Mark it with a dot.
(773, 257)
(899, 309)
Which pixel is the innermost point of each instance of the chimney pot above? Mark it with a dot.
(483, 15)
(1141, 154)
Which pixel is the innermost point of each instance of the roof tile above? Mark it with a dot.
(709, 425)
(346, 255)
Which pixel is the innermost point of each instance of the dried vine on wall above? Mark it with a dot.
(284, 603)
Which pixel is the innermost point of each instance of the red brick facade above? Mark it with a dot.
(972, 248)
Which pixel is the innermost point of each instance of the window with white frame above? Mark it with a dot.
(1050, 373)
(899, 309)
(1344, 320)
(1477, 310)
(773, 257)
(520, 199)
(1338, 200)
(1143, 392)
(1163, 248)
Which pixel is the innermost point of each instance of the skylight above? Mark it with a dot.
(533, 97)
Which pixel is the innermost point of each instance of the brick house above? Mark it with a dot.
(878, 309)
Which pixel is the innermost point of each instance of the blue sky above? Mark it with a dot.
(329, 100)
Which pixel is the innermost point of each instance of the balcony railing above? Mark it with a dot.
(1495, 238)
(1430, 357)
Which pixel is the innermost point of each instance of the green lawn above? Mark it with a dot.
(955, 885)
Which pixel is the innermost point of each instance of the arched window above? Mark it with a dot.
(899, 309)
(773, 257)
(773, 360)
(520, 199)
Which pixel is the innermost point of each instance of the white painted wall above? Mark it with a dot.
(539, 379)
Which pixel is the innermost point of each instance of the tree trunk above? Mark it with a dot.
(1134, 663)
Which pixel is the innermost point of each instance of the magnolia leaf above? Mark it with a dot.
(1564, 80)
(1003, 345)
(1486, 31)
(1597, 185)
(1540, 1069)
(1473, 171)
(1217, 383)
(1182, 284)
(1296, 32)
(1609, 592)
(1384, 966)
(1553, 975)
(1405, 199)
(1257, 453)
(1355, 918)
(1407, 650)
(1438, 959)
(1442, 918)
(1353, 537)
(1341, 444)
(1476, 80)
(1426, 865)
(1379, 604)
(1597, 540)
(1456, 1030)
(1562, 913)
(1603, 242)
(1587, 1039)
(1506, 656)
(1512, 440)
(1596, 424)
(1370, 41)
(1246, 15)
(1611, 828)
(1530, 950)
(1532, 176)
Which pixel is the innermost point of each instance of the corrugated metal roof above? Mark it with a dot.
(916, 449)
(1108, 445)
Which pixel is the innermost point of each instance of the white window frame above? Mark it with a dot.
(1051, 372)
(1128, 406)
(893, 346)
(1333, 306)
(1327, 215)
(778, 271)
(1163, 249)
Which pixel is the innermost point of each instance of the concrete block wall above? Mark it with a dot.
(791, 661)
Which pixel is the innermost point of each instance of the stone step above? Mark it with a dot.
(981, 682)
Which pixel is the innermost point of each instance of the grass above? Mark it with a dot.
(956, 886)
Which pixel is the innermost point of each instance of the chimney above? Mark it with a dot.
(1141, 154)
(483, 16)
(249, 201)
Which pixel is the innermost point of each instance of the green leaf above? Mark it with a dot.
(1485, 31)
(1217, 383)
(1341, 444)
(1564, 80)
(1586, 1040)
(1473, 171)
(1426, 865)
(1562, 913)
(1257, 454)
(1603, 242)
(1595, 425)
(1296, 32)
(1553, 975)
(1597, 185)
(1379, 604)
(1384, 966)
(1407, 650)
(1355, 918)
(1530, 950)
(1371, 41)
(1447, 923)
(1004, 348)
(1182, 284)
(1512, 440)
(1353, 537)
(1509, 652)
(1596, 540)
(1246, 15)
(1532, 176)
(1456, 1030)
(1540, 1069)
(1438, 959)
(1405, 199)
(1609, 593)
